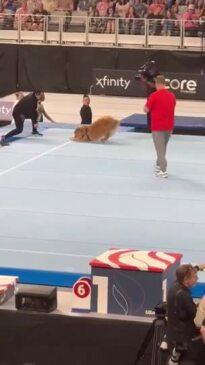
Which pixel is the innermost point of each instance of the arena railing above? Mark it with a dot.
(116, 32)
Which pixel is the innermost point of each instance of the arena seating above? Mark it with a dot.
(135, 22)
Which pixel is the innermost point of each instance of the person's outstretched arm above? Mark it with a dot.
(42, 110)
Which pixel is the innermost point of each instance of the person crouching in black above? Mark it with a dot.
(26, 108)
(181, 313)
(85, 111)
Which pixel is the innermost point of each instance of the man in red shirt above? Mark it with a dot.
(161, 105)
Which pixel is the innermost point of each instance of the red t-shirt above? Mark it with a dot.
(161, 105)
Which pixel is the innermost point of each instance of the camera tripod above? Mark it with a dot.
(155, 334)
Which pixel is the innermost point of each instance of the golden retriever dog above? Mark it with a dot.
(100, 130)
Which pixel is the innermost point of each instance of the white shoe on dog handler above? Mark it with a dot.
(157, 168)
(162, 174)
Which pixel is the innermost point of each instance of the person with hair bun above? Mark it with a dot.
(182, 311)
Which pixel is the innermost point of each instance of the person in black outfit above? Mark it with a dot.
(85, 111)
(26, 108)
(181, 313)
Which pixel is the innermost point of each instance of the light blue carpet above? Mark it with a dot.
(61, 204)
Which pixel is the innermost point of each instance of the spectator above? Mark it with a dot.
(175, 9)
(180, 7)
(141, 8)
(102, 11)
(202, 22)
(199, 7)
(2, 16)
(65, 5)
(169, 3)
(6, 19)
(110, 27)
(94, 23)
(32, 5)
(93, 3)
(16, 4)
(84, 5)
(38, 20)
(122, 11)
(130, 22)
(8, 5)
(168, 23)
(50, 5)
(156, 12)
(191, 21)
(122, 8)
(25, 18)
(102, 7)
(156, 9)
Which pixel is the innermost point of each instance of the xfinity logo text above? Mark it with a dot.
(5, 111)
(183, 86)
(108, 82)
(6, 108)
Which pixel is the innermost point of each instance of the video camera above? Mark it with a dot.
(147, 71)
(156, 334)
(161, 310)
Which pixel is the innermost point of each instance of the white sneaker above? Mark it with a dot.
(157, 168)
(163, 174)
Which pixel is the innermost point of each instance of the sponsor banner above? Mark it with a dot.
(6, 108)
(116, 82)
(123, 83)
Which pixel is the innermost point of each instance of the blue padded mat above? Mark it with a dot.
(63, 203)
(192, 125)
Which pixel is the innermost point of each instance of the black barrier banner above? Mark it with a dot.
(123, 83)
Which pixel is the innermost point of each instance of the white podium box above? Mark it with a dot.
(131, 282)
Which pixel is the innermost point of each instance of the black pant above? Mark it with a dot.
(148, 122)
(19, 122)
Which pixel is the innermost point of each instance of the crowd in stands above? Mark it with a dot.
(165, 15)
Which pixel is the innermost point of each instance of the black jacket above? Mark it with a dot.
(86, 114)
(181, 313)
(27, 107)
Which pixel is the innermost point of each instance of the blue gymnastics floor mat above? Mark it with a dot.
(64, 203)
(183, 125)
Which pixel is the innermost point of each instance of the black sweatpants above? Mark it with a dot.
(19, 122)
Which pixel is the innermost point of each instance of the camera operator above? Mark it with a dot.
(146, 74)
(181, 313)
